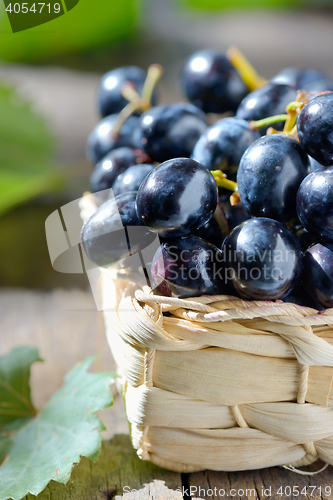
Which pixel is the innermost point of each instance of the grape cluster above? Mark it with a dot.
(236, 186)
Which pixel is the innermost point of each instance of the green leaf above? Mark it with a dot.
(6, 442)
(89, 24)
(15, 401)
(16, 188)
(66, 429)
(26, 147)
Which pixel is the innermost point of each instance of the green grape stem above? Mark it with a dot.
(245, 69)
(125, 113)
(137, 102)
(128, 91)
(154, 73)
(267, 122)
(222, 181)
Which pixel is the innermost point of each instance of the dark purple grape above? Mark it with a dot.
(235, 214)
(210, 232)
(110, 98)
(262, 258)
(131, 178)
(269, 100)
(269, 175)
(305, 239)
(315, 165)
(315, 203)
(102, 139)
(216, 229)
(187, 267)
(223, 144)
(315, 128)
(114, 163)
(298, 78)
(105, 238)
(300, 296)
(320, 85)
(171, 130)
(177, 197)
(318, 273)
(212, 83)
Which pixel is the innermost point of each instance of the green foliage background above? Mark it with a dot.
(90, 24)
(254, 4)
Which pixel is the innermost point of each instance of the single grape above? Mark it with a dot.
(318, 273)
(216, 229)
(131, 178)
(269, 175)
(210, 232)
(320, 85)
(315, 128)
(105, 237)
(177, 197)
(315, 165)
(299, 295)
(304, 238)
(314, 203)
(187, 267)
(108, 169)
(269, 100)
(110, 98)
(171, 130)
(223, 144)
(235, 214)
(298, 78)
(212, 83)
(262, 258)
(102, 139)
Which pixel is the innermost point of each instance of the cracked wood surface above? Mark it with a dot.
(66, 327)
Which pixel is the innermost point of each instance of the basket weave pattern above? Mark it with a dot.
(220, 383)
(217, 382)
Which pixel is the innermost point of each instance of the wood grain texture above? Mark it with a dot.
(274, 483)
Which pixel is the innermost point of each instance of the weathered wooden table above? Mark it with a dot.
(66, 328)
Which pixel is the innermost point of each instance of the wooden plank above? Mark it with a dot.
(274, 483)
(118, 473)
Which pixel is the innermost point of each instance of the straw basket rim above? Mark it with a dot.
(153, 326)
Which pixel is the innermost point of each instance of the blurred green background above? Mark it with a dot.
(49, 77)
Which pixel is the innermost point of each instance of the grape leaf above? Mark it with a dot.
(6, 442)
(66, 429)
(26, 147)
(15, 400)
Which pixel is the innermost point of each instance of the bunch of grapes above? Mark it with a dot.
(237, 184)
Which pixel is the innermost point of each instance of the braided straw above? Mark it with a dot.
(222, 383)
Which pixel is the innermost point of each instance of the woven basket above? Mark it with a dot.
(221, 383)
